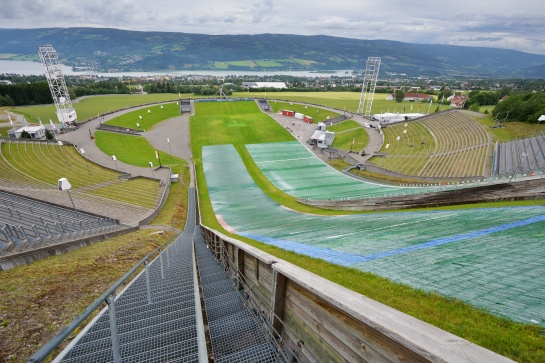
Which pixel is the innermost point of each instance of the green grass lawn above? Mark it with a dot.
(511, 129)
(347, 131)
(268, 63)
(133, 150)
(355, 140)
(4, 131)
(234, 123)
(344, 126)
(93, 105)
(317, 114)
(157, 114)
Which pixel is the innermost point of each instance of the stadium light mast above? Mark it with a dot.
(57, 85)
(369, 84)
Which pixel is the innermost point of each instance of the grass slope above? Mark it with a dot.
(349, 135)
(38, 300)
(133, 150)
(150, 116)
(234, 123)
(87, 107)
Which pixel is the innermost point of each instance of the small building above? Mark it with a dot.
(299, 116)
(263, 104)
(276, 85)
(287, 113)
(308, 119)
(36, 132)
(457, 101)
(411, 97)
(185, 106)
(396, 117)
(321, 137)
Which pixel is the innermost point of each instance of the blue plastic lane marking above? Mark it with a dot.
(337, 257)
(347, 259)
(460, 237)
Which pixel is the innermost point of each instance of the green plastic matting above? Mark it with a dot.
(295, 170)
(489, 257)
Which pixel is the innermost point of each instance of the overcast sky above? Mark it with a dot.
(510, 24)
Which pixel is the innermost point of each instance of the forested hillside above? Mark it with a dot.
(114, 49)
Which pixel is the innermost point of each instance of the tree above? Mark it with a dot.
(400, 95)
(475, 107)
(25, 135)
(49, 135)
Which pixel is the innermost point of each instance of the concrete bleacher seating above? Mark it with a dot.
(33, 168)
(27, 223)
(446, 145)
(462, 146)
(519, 156)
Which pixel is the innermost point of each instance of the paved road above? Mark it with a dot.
(302, 132)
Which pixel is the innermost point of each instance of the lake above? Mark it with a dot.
(35, 68)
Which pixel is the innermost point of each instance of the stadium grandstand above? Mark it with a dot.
(525, 156)
(443, 145)
(33, 168)
(26, 223)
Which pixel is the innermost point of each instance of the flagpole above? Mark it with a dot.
(11, 122)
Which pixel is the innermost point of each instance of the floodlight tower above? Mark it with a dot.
(369, 84)
(57, 86)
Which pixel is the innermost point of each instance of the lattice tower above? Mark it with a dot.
(369, 84)
(55, 78)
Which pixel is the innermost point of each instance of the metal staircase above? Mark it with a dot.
(154, 326)
(238, 331)
(158, 316)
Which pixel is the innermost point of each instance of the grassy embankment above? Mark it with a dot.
(147, 117)
(38, 300)
(349, 135)
(94, 105)
(135, 150)
(515, 340)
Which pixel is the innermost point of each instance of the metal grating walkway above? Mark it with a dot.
(159, 326)
(237, 333)
(158, 316)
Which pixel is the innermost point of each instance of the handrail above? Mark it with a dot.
(50, 346)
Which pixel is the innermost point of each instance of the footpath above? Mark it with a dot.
(302, 132)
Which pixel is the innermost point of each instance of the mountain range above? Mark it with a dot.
(105, 49)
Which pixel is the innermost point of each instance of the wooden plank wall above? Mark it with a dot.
(319, 321)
